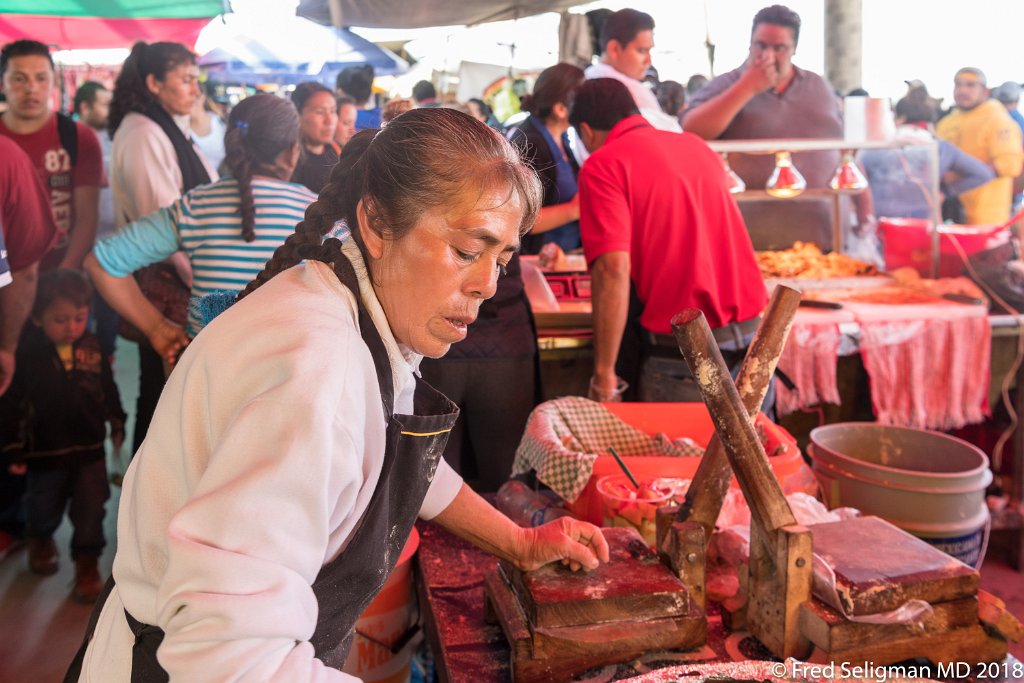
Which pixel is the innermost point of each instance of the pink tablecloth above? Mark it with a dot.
(928, 364)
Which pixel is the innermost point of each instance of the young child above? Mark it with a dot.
(53, 425)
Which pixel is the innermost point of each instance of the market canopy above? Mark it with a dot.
(423, 13)
(97, 24)
(287, 50)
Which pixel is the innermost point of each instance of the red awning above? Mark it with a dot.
(71, 33)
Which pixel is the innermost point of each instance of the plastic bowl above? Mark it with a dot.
(622, 507)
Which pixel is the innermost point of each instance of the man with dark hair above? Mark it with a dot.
(982, 127)
(356, 82)
(627, 37)
(424, 94)
(770, 97)
(66, 154)
(671, 230)
(92, 105)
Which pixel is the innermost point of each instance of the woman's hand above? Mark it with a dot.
(168, 339)
(570, 541)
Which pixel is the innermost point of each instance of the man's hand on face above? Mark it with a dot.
(763, 72)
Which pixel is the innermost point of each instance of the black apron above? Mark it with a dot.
(346, 586)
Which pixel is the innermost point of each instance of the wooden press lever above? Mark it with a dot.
(780, 550)
(707, 491)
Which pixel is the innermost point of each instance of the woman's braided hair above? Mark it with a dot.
(259, 129)
(424, 159)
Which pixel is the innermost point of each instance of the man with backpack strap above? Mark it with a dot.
(67, 155)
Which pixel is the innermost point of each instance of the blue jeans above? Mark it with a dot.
(82, 490)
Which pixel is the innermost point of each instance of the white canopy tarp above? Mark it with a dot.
(423, 13)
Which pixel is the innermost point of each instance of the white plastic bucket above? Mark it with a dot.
(385, 621)
(929, 484)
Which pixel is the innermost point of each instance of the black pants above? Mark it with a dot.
(12, 510)
(79, 488)
(495, 397)
(665, 376)
(151, 383)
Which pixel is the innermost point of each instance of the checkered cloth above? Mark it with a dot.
(563, 438)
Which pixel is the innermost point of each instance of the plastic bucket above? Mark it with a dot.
(908, 242)
(386, 620)
(929, 484)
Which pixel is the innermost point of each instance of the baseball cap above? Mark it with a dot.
(1008, 92)
(915, 83)
(969, 73)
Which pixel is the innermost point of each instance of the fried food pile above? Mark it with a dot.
(805, 260)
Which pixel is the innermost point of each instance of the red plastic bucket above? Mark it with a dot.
(908, 242)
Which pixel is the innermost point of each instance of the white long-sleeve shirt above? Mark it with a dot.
(263, 454)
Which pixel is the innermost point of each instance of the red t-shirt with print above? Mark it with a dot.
(53, 166)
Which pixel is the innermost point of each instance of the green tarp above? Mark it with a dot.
(116, 9)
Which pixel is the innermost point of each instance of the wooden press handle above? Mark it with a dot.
(706, 493)
(732, 422)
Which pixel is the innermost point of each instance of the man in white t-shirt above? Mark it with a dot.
(627, 37)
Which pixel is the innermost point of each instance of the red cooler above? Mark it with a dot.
(908, 242)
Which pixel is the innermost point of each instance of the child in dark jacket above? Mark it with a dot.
(53, 422)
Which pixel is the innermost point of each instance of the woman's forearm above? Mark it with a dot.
(124, 296)
(556, 215)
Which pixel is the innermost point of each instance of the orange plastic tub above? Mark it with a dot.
(677, 420)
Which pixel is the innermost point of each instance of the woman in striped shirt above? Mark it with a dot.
(228, 229)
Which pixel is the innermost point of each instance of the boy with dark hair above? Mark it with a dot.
(66, 154)
(53, 420)
(627, 38)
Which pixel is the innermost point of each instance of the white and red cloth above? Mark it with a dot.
(927, 364)
(809, 359)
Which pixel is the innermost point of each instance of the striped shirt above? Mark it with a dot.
(207, 226)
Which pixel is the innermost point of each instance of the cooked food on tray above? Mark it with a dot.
(805, 260)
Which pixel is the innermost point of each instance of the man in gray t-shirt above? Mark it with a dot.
(769, 97)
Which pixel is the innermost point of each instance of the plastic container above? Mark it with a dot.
(691, 420)
(387, 620)
(527, 507)
(908, 242)
(929, 484)
(623, 506)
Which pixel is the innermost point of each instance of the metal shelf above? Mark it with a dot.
(808, 145)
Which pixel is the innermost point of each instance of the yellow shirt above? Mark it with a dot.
(988, 134)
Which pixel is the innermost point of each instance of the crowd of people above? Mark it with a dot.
(278, 469)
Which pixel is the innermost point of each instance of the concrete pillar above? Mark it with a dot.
(843, 44)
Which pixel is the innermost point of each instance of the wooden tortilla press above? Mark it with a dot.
(559, 623)
(876, 565)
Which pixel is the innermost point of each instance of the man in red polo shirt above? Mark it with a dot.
(655, 212)
(66, 154)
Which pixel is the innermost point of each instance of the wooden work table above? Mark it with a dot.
(450, 588)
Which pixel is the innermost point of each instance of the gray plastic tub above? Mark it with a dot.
(929, 484)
